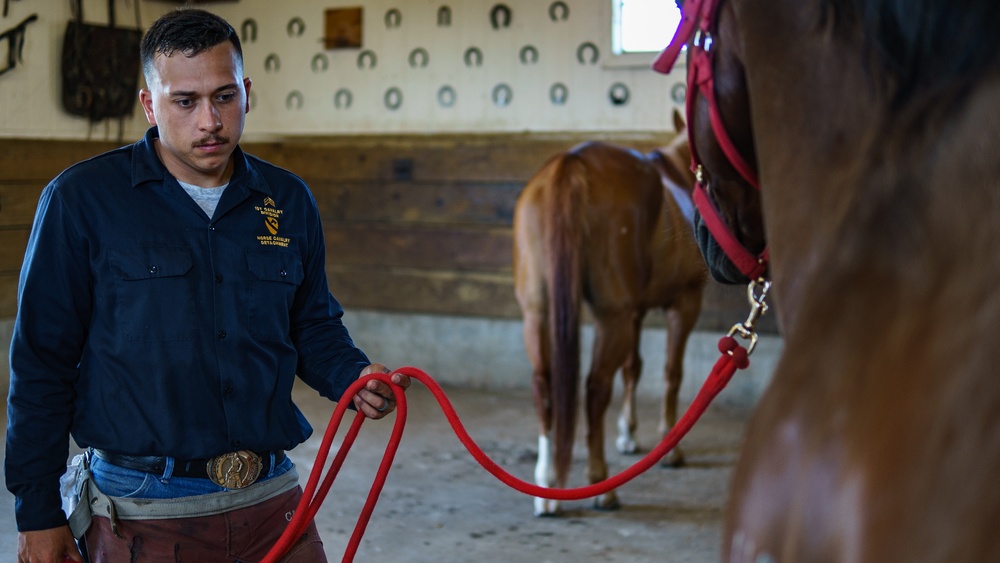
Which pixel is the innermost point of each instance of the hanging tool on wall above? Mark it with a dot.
(15, 41)
(100, 67)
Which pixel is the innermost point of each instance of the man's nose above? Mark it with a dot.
(208, 117)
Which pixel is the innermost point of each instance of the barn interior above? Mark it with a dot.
(416, 124)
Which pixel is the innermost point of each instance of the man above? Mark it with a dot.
(170, 293)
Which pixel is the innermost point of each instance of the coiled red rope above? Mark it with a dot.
(733, 357)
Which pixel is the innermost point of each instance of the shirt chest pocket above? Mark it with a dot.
(156, 299)
(274, 279)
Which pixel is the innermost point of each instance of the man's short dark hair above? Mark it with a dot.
(188, 31)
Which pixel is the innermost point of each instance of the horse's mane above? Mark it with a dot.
(925, 45)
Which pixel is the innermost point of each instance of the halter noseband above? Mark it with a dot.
(698, 18)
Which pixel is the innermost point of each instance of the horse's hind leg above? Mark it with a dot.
(627, 418)
(681, 319)
(613, 340)
(536, 345)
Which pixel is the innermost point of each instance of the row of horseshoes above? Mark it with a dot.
(500, 17)
(586, 53)
(502, 94)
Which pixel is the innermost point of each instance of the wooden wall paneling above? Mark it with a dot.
(8, 296)
(18, 201)
(490, 158)
(469, 201)
(29, 159)
(458, 248)
(414, 224)
(424, 291)
(12, 245)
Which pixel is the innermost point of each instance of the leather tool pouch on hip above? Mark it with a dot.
(100, 67)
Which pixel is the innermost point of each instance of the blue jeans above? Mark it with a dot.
(116, 481)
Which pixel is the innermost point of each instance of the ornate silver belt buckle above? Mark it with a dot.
(234, 470)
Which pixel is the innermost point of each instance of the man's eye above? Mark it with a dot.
(184, 103)
(227, 97)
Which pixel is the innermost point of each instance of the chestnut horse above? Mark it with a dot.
(874, 128)
(611, 227)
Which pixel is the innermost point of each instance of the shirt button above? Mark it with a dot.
(283, 274)
(211, 227)
(222, 334)
(153, 268)
(236, 443)
(228, 389)
(218, 278)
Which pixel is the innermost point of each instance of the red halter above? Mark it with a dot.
(699, 18)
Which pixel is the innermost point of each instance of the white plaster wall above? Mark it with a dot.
(30, 106)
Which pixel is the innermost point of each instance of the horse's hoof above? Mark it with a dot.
(626, 447)
(607, 503)
(673, 462)
(545, 508)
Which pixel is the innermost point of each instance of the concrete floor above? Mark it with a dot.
(440, 505)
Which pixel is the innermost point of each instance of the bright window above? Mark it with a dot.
(641, 26)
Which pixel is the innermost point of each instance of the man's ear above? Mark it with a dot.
(146, 100)
(246, 87)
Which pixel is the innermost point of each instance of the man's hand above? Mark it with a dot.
(376, 399)
(54, 545)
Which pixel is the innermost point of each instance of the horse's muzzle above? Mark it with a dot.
(719, 265)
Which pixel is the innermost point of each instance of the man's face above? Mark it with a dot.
(199, 104)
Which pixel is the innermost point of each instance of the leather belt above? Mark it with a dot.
(233, 470)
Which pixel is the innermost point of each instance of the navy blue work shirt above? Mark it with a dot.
(146, 328)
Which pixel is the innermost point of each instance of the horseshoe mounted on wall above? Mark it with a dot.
(272, 63)
(558, 94)
(343, 99)
(446, 96)
(558, 11)
(583, 48)
(444, 16)
(618, 94)
(367, 55)
(419, 57)
(528, 55)
(320, 62)
(502, 95)
(294, 100)
(393, 18)
(296, 27)
(393, 98)
(248, 31)
(496, 12)
(679, 93)
(473, 53)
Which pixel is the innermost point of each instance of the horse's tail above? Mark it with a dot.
(564, 239)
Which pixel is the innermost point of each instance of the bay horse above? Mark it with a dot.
(873, 127)
(610, 227)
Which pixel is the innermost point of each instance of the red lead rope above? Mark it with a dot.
(733, 357)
